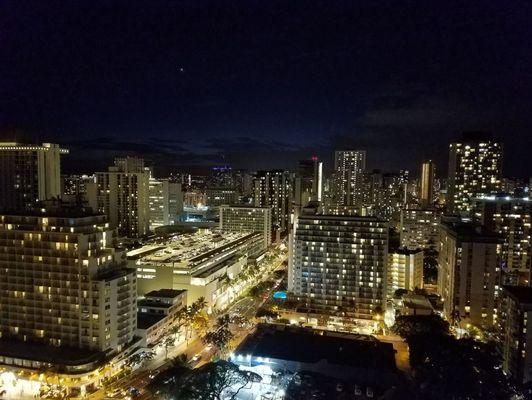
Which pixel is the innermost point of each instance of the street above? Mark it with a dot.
(245, 307)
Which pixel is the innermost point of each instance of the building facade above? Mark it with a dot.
(347, 185)
(62, 284)
(419, 228)
(510, 217)
(215, 197)
(122, 193)
(515, 332)
(274, 189)
(469, 273)
(247, 219)
(309, 182)
(337, 264)
(29, 173)
(475, 164)
(405, 270)
(165, 201)
(426, 193)
(205, 264)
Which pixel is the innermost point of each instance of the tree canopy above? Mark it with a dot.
(213, 381)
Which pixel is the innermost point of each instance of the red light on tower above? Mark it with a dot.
(314, 158)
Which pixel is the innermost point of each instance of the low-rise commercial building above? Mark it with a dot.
(357, 360)
(157, 311)
(204, 264)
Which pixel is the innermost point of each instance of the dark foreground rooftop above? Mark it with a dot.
(312, 346)
(147, 320)
(522, 294)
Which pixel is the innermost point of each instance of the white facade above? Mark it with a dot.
(166, 202)
(247, 219)
(405, 270)
(203, 264)
(337, 264)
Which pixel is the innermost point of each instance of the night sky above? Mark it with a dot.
(260, 84)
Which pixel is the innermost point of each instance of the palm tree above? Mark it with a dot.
(181, 361)
(201, 303)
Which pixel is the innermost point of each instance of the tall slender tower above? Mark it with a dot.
(427, 183)
(308, 182)
(274, 189)
(475, 164)
(349, 166)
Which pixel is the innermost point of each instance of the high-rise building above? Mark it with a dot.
(62, 285)
(337, 264)
(469, 270)
(122, 193)
(247, 219)
(511, 218)
(419, 228)
(29, 173)
(274, 189)
(166, 202)
(349, 166)
(475, 164)
(309, 181)
(514, 325)
(215, 197)
(75, 185)
(383, 194)
(427, 184)
(405, 270)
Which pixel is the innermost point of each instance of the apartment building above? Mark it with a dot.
(62, 285)
(337, 264)
(247, 219)
(29, 173)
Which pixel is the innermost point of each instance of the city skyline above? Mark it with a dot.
(265, 200)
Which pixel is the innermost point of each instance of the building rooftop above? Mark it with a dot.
(341, 217)
(405, 251)
(147, 320)
(312, 346)
(416, 301)
(522, 294)
(165, 293)
(189, 247)
(244, 206)
(467, 231)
